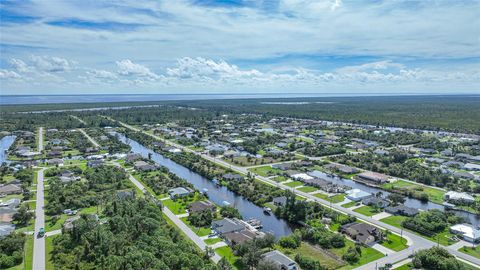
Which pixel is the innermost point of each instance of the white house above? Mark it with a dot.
(357, 194)
(467, 231)
(459, 197)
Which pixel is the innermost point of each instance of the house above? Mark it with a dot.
(239, 237)
(373, 177)
(201, 206)
(362, 232)
(143, 166)
(462, 197)
(282, 166)
(130, 158)
(434, 160)
(468, 232)
(381, 152)
(68, 224)
(12, 203)
(301, 176)
(55, 161)
(280, 201)
(10, 189)
(357, 194)
(54, 153)
(234, 177)
(179, 192)
(6, 229)
(95, 163)
(464, 175)
(281, 260)
(472, 167)
(227, 225)
(376, 202)
(401, 210)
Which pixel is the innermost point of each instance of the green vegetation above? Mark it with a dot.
(310, 251)
(12, 250)
(367, 210)
(395, 221)
(265, 171)
(394, 242)
(211, 241)
(307, 189)
(436, 258)
(156, 246)
(435, 195)
(472, 251)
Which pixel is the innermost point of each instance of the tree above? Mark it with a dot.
(396, 199)
(223, 264)
(436, 258)
(23, 216)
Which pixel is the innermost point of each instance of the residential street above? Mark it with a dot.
(89, 138)
(418, 241)
(179, 223)
(40, 139)
(39, 243)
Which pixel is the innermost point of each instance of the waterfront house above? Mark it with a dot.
(179, 192)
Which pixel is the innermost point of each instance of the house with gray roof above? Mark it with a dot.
(281, 260)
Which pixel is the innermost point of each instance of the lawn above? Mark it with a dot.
(367, 210)
(395, 221)
(434, 195)
(368, 255)
(293, 184)
(307, 189)
(228, 254)
(312, 252)
(211, 241)
(349, 204)
(321, 196)
(280, 178)
(337, 198)
(265, 171)
(442, 238)
(49, 226)
(48, 252)
(475, 252)
(200, 231)
(395, 242)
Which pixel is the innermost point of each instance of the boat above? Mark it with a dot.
(267, 210)
(225, 203)
(255, 223)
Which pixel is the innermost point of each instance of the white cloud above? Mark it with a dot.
(127, 68)
(19, 65)
(51, 64)
(102, 74)
(8, 74)
(200, 67)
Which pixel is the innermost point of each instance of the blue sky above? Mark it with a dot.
(235, 46)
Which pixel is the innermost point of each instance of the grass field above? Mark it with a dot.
(50, 226)
(368, 255)
(293, 184)
(443, 238)
(395, 242)
(475, 252)
(227, 253)
(200, 231)
(307, 189)
(211, 241)
(395, 221)
(367, 210)
(434, 195)
(48, 252)
(312, 252)
(349, 204)
(265, 171)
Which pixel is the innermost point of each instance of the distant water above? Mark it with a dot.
(45, 99)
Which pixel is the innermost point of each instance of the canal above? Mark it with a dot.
(5, 144)
(410, 202)
(216, 194)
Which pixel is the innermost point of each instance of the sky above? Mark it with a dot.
(239, 47)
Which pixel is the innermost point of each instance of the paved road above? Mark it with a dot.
(39, 243)
(89, 138)
(178, 222)
(418, 241)
(80, 120)
(40, 139)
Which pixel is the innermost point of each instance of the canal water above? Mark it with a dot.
(410, 202)
(216, 194)
(5, 144)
